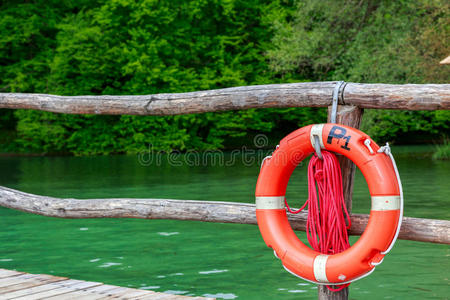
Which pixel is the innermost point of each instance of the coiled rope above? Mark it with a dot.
(326, 227)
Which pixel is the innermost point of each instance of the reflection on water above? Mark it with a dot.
(225, 261)
(212, 271)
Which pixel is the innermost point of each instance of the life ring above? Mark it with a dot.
(380, 172)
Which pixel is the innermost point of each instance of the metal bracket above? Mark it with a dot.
(338, 91)
(317, 146)
(267, 157)
(367, 144)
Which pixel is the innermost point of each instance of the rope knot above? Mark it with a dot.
(318, 175)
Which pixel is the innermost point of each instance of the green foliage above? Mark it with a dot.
(406, 127)
(8, 130)
(131, 47)
(159, 46)
(370, 41)
(366, 41)
(442, 151)
(145, 47)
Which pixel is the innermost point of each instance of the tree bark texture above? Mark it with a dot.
(306, 94)
(415, 229)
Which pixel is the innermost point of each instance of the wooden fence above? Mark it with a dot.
(351, 97)
(415, 229)
(312, 94)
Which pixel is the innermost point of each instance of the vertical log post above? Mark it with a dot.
(350, 116)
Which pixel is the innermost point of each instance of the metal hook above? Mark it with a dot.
(317, 146)
(267, 157)
(336, 92)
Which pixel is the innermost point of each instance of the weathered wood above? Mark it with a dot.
(94, 293)
(4, 282)
(41, 286)
(325, 294)
(274, 95)
(424, 230)
(37, 289)
(28, 284)
(306, 94)
(351, 116)
(61, 290)
(8, 273)
(398, 96)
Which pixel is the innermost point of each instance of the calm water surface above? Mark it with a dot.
(227, 261)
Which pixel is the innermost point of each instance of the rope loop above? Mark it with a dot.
(326, 226)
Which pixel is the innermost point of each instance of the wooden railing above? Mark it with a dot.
(311, 94)
(352, 99)
(415, 229)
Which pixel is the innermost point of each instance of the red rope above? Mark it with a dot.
(326, 228)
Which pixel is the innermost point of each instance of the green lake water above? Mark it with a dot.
(227, 261)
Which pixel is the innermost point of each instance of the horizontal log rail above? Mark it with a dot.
(415, 229)
(306, 94)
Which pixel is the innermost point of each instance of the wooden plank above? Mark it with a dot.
(162, 296)
(20, 277)
(134, 293)
(78, 295)
(60, 291)
(29, 284)
(16, 279)
(153, 295)
(89, 294)
(101, 288)
(9, 273)
(115, 292)
(415, 229)
(125, 293)
(93, 293)
(304, 94)
(25, 286)
(41, 286)
(200, 298)
(39, 289)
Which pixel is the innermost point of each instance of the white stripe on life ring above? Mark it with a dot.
(269, 202)
(317, 130)
(381, 203)
(320, 268)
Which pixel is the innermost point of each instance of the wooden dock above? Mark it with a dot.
(24, 286)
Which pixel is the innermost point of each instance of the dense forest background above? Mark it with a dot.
(94, 47)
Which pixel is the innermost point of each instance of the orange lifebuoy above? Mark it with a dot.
(380, 172)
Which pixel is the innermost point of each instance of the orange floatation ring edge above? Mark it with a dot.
(378, 167)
